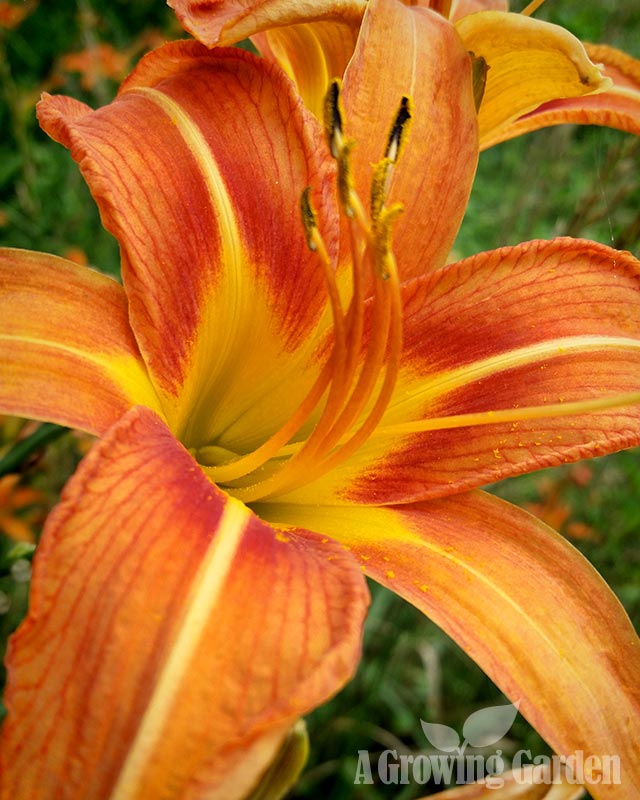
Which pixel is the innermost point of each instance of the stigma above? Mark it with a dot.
(348, 399)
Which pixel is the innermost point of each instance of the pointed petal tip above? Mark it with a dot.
(530, 61)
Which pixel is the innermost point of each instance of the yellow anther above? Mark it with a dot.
(309, 219)
(383, 169)
(380, 186)
(315, 242)
(346, 190)
(382, 229)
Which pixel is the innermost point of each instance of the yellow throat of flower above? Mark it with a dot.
(354, 389)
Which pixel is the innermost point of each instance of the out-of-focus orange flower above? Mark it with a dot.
(550, 510)
(96, 64)
(102, 61)
(11, 15)
(21, 508)
(582, 531)
(77, 255)
(580, 474)
(555, 510)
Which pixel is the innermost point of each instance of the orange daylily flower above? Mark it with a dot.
(17, 512)
(95, 64)
(284, 408)
(101, 61)
(538, 73)
(11, 14)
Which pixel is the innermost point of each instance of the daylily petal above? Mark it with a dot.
(521, 601)
(213, 300)
(224, 22)
(312, 55)
(311, 41)
(67, 354)
(172, 638)
(619, 107)
(460, 8)
(441, 6)
(436, 168)
(530, 62)
(430, 65)
(540, 324)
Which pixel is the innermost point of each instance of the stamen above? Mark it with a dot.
(351, 391)
(346, 190)
(319, 454)
(374, 360)
(334, 368)
(384, 169)
(387, 334)
(399, 129)
(333, 118)
(309, 220)
(366, 430)
(379, 187)
(382, 226)
(325, 434)
(479, 70)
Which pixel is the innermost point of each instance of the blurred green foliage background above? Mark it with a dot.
(565, 180)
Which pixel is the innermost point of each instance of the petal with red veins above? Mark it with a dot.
(172, 637)
(435, 171)
(524, 332)
(217, 310)
(520, 601)
(619, 107)
(67, 353)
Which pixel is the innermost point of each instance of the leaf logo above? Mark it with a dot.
(441, 737)
(481, 729)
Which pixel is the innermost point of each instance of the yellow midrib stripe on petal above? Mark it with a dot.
(510, 601)
(431, 389)
(369, 519)
(206, 591)
(445, 382)
(479, 575)
(220, 326)
(201, 152)
(126, 372)
(518, 414)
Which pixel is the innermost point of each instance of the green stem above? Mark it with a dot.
(44, 435)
